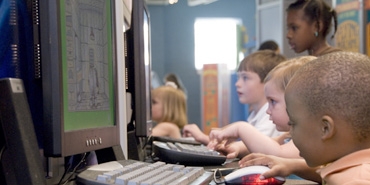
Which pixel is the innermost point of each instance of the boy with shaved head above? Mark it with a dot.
(328, 102)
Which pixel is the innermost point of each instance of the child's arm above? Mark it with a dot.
(281, 166)
(227, 133)
(282, 138)
(253, 139)
(234, 150)
(166, 129)
(192, 130)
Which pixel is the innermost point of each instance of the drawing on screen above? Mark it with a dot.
(87, 55)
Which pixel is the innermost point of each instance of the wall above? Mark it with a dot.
(172, 33)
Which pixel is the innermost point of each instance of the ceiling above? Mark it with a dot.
(190, 2)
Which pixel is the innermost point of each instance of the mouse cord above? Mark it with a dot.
(217, 177)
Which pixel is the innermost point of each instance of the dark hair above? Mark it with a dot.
(316, 11)
(336, 84)
(171, 77)
(270, 44)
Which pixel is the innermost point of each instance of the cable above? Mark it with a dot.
(2, 151)
(64, 174)
(73, 171)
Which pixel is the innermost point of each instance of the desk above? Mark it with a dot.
(299, 182)
(227, 168)
(290, 182)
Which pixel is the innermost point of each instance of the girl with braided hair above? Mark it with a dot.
(308, 24)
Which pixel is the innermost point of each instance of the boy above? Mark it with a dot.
(328, 104)
(275, 83)
(250, 87)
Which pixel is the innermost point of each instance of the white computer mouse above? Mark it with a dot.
(250, 175)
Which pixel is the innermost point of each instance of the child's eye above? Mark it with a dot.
(273, 102)
(293, 28)
(243, 77)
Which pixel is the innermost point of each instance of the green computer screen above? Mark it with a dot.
(87, 64)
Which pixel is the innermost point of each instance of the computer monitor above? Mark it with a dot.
(78, 57)
(138, 68)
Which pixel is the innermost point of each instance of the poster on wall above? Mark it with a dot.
(367, 36)
(210, 97)
(348, 33)
(215, 96)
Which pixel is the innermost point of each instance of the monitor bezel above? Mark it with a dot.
(58, 142)
(136, 69)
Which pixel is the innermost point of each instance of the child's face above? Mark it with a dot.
(300, 33)
(157, 109)
(305, 131)
(277, 108)
(249, 87)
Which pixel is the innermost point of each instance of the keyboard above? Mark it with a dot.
(132, 172)
(184, 140)
(186, 154)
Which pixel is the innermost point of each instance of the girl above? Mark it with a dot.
(168, 111)
(308, 23)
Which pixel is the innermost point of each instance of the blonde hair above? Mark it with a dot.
(284, 71)
(174, 105)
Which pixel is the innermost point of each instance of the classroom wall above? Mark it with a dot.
(172, 36)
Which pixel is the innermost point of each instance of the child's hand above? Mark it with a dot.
(226, 134)
(192, 130)
(231, 150)
(278, 166)
(282, 166)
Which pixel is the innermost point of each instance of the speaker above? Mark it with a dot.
(21, 161)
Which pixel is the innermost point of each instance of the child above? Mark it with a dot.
(251, 72)
(270, 44)
(328, 106)
(172, 79)
(275, 83)
(308, 25)
(168, 111)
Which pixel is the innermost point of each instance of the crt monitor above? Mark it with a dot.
(138, 68)
(78, 60)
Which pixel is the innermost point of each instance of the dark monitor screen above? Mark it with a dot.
(138, 68)
(147, 62)
(78, 73)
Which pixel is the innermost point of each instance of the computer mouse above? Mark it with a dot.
(250, 176)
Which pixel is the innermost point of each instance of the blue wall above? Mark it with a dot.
(172, 36)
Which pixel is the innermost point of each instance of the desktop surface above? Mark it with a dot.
(90, 175)
(106, 171)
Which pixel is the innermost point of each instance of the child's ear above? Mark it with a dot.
(327, 127)
(321, 26)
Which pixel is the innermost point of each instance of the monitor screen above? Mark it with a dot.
(147, 63)
(78, 73)
(138, 68)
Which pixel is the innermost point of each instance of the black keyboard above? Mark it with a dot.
(187, 154)
(184, 140)
(131, 172)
